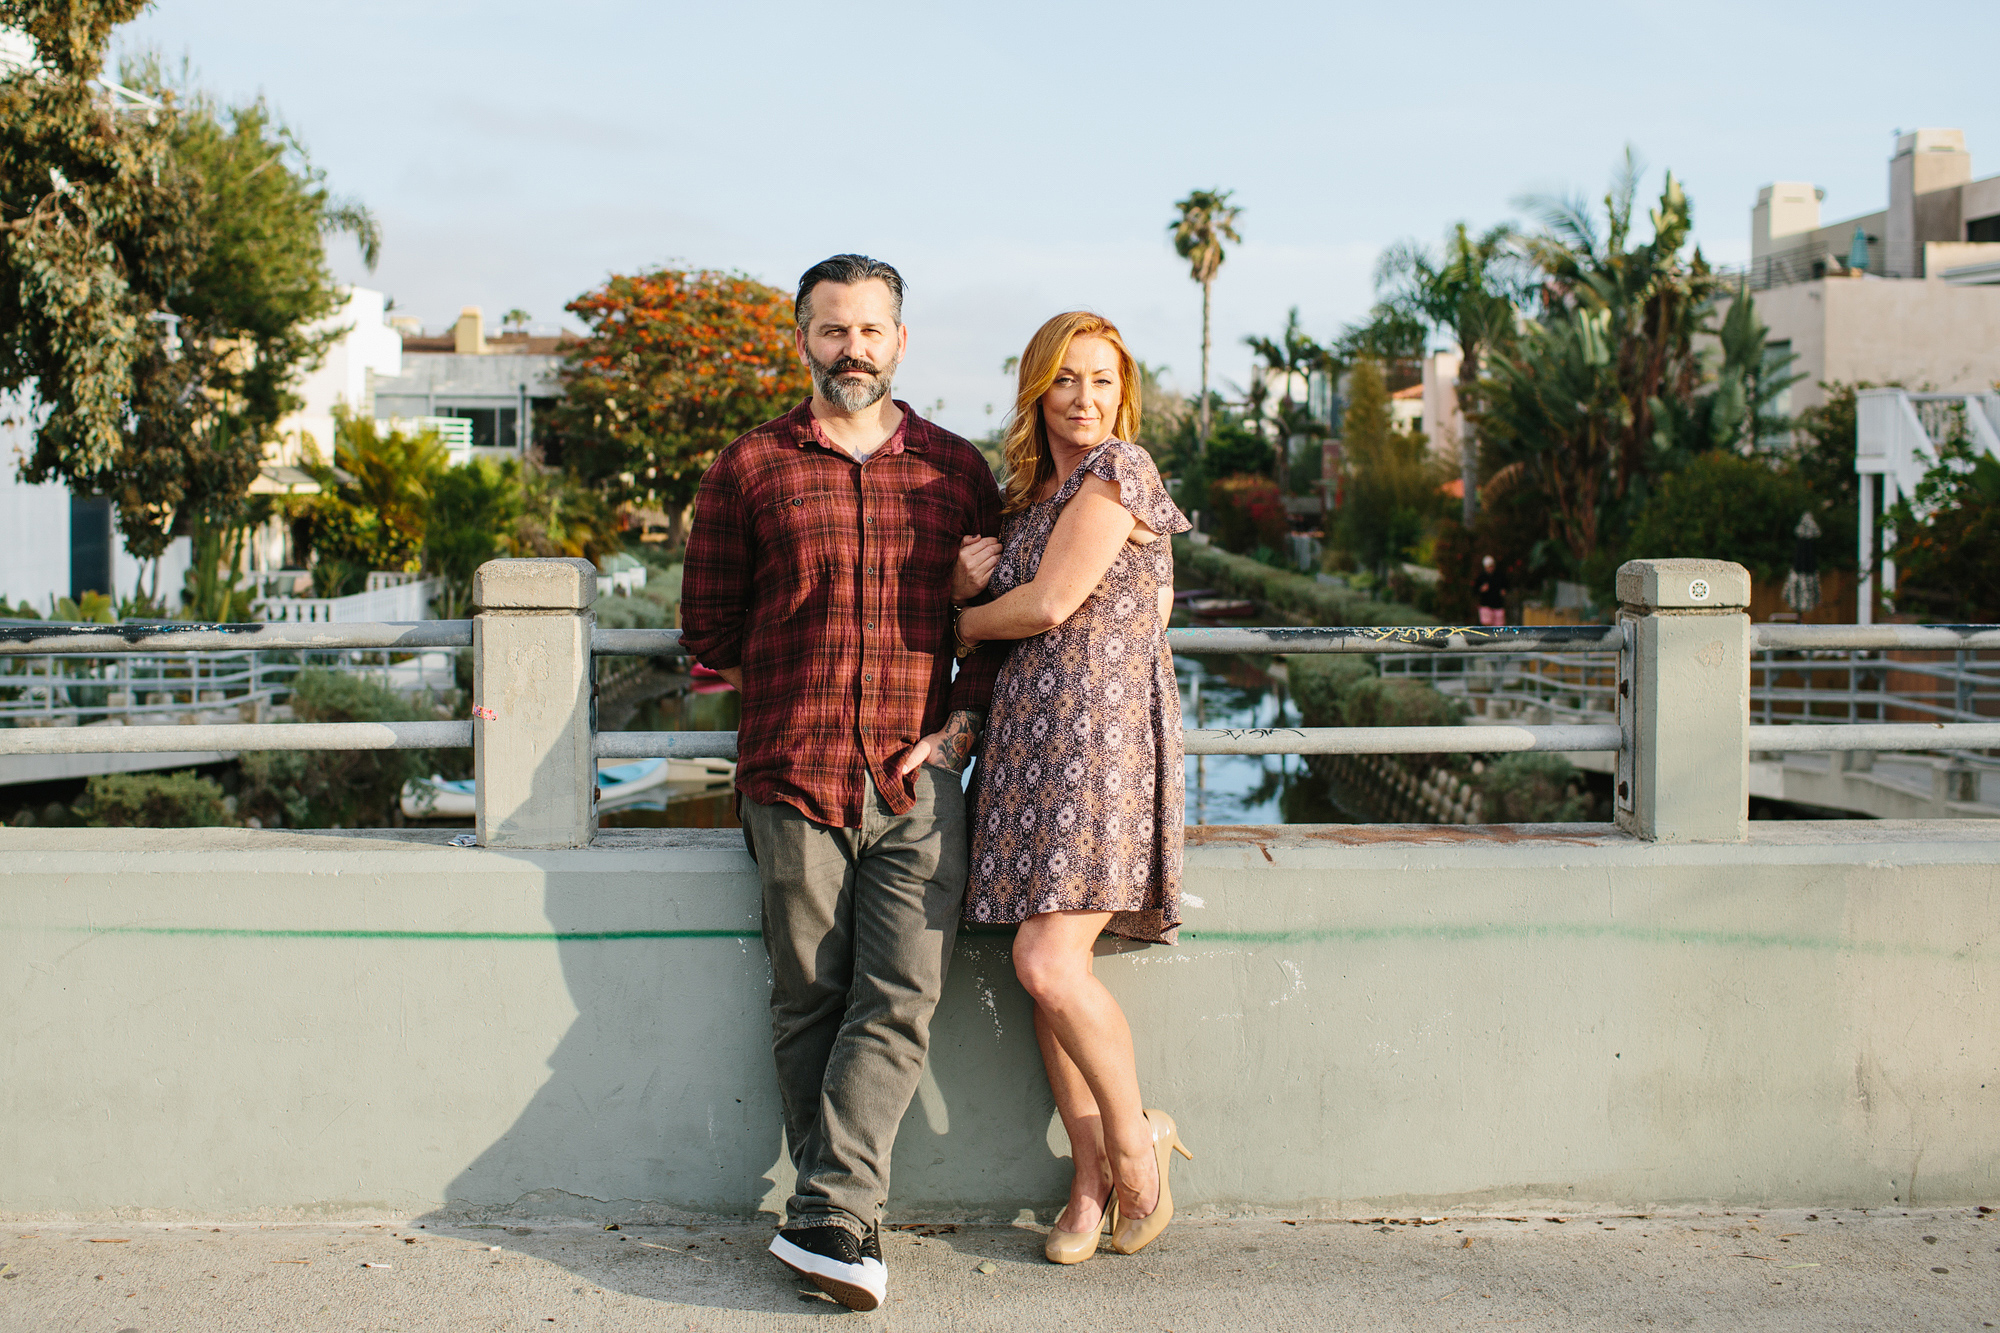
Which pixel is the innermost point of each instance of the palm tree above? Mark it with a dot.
(1207, 220)
(1296, 353)
(1472, 289)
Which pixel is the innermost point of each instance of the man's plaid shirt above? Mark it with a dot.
(829, 583)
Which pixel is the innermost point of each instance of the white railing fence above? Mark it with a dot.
(1680, 722)
(389, 597)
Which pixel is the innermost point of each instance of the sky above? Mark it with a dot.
(1017, 160)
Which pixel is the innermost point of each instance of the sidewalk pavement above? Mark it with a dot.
(1789, 1269)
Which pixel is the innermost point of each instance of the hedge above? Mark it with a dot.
(1296, 595)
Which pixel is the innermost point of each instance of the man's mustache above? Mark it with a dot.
(848, 363)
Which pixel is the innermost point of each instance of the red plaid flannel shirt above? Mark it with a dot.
(829, 583)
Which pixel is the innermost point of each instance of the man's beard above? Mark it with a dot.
(854, 395)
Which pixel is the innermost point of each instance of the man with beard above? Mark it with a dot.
(828, 552)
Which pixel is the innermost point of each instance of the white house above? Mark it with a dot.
(53, 544)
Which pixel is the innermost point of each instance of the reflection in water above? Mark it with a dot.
(1237, 691)
(682, 707)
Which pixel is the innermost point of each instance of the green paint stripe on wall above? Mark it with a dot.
(1467, 934)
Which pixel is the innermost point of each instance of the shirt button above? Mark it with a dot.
(871, 624)
(871, 569)
(867, 520)
(868, 678)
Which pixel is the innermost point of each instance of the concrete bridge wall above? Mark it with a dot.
(234, 1023)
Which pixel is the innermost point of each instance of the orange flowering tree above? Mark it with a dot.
(678, 363)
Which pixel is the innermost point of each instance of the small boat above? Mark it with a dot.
(1222, 608)
(437, 797)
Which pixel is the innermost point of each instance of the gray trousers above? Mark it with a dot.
(859, 924)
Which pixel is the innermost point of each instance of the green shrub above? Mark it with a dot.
(1532, 789)
(1298, 595)
(648, 608)
(1722, 507)
(154, 800)
(338, 788)
(1320, 683)
(1397, 702)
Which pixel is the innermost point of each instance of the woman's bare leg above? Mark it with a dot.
(1096, 1076)
(1091, 1181)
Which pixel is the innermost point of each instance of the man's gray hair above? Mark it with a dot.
(847, 270)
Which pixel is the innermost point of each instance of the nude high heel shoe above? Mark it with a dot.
(1073, 1247)
(1133, 1234)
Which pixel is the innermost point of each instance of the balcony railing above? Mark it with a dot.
(1680, 722)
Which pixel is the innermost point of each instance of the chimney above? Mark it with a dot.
(468, 336)
(1926, 162)
(1784, 209)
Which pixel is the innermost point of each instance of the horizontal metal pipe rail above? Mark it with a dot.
(1233, 740)
(230, 737)
(1323, 639)
(1811, 638)
(1408, 740)
(40, 637)
(1807, 737)
(95, 640)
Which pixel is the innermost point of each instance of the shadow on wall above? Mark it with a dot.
(661, 1102)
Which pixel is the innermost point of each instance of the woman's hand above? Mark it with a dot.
(1093, 529)
(976, 558)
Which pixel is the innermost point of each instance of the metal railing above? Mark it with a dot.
(65, 686)
(536, 641)
(1562, 655)
(1789, 685)
(1579, 651)
(133, 649)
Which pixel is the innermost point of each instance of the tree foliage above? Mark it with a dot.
(678, 363)
(1294, 353)
(161, 267)
(1577, 398)
(1723, 506)
(1948, 537)
(1473, 288)
(1249, 514)
(1393, 487)
(1392, 338)
(97, 230)
(1205, 219)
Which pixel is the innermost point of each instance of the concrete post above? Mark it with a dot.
(1684, 701)
(531, 735)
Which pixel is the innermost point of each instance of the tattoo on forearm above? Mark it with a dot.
(961, 735)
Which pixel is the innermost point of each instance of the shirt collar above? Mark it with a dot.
(913, 434)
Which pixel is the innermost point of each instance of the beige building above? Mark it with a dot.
(1439, 400)
(1909, 295)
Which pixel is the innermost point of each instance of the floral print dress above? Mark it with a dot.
(1079, 795)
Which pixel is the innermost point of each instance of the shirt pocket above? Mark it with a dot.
(807, 533)
(922, 539)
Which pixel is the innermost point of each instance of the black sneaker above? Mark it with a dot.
(847, 1269)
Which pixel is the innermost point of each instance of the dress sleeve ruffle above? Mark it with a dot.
(1140, 489)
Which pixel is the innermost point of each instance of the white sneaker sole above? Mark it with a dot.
(856, 1286)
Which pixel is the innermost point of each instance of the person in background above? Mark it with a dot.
(1489, 589)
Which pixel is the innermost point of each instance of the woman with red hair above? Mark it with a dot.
(1079, 797)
